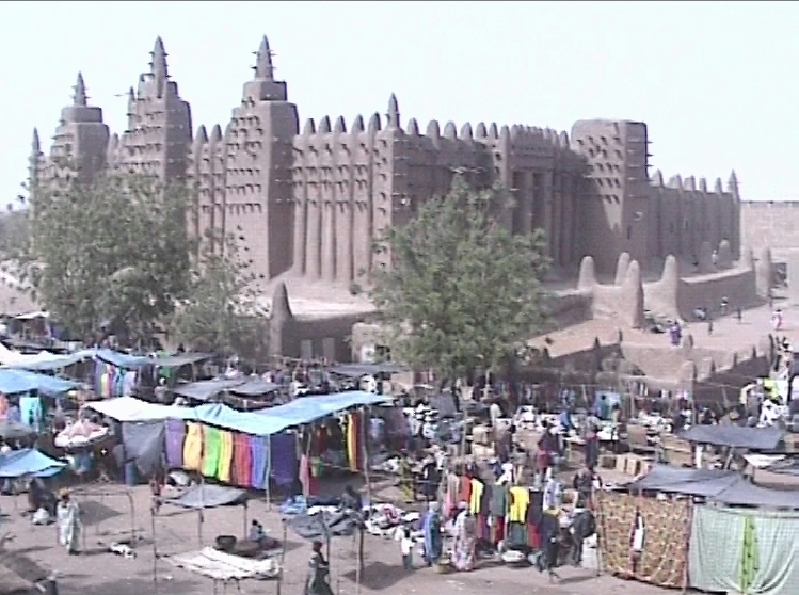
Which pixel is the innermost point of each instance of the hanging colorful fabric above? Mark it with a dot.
(748, 567)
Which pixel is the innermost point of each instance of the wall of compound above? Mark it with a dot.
(772, 224)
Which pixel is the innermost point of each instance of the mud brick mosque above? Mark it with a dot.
(309, 199)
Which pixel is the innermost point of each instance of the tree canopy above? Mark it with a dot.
(462, 293)
(115, 249)
(222, 312)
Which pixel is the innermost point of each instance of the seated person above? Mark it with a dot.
(257, 533)
(40, 497)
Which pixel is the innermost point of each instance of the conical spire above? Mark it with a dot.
(36, 146)
(159, 58)
(393, 115)
(80, 92)
(263, 64)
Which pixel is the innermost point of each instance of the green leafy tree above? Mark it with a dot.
(113, 248)
(462, 293)
(222, 313)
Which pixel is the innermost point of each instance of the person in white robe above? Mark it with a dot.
(69, 525)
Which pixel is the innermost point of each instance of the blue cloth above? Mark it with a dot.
(432, 537)
(260, 458)
(284, 459)
(30, 462)
(294, 505)
(31, 411)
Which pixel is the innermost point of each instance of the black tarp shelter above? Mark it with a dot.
(759, 439)
(719, 485)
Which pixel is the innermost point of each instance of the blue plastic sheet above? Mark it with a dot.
(122, 360)
(28, 462)
(58, 362)
(205, 390)
(14, 381)
(276, 419)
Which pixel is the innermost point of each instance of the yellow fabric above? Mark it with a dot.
(474, 499)
(193, 447)
(352, 442)
(104, 388)
(225, 456)
(519, 501)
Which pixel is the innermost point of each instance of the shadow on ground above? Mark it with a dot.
(378, 576)
(93, 513)
(126, 586)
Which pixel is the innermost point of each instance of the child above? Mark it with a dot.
(406, 548)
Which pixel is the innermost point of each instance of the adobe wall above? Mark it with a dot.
(677, 296)
(307, 338)
(773, 224)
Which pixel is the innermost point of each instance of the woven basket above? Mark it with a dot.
(443, 567)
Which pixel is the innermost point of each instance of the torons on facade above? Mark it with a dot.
(311, 200)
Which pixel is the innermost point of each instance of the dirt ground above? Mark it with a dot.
(108, 518)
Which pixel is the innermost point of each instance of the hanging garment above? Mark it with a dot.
(465, 490)
(105, 384)
(31, 411)
(259, 447)
(212, 442)
(306, 479)
(193, 447)
(173, 438)
(517, 534)
(242, 460)
(119, 382)
(519, 500)
(129, 383)
(225, 455)
(452, 494)
(497, 529)
(354, 447)
(283, 466)
(535, 511)
(500, 500)
(475, 496)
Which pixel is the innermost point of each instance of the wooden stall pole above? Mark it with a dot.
(282, 558)
(155, 550)
(689, 522)
(366, 414)
(244, 515)
(201, 512)
(306, 449)
(269, 472)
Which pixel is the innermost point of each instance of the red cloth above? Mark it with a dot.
(498, 530)
(533, 537)
(465, 491)
(243, 455)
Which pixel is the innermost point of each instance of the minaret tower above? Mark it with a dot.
(258, 191)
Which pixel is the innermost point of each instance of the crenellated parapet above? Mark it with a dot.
(314, 199)
(689, 215)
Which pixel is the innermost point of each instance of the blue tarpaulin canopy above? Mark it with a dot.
(179, 360)
(57, 362)
(28, 462)
(121, 360)
(22, 381)
(277, 419)
(205, 390)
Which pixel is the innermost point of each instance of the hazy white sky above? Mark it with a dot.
(713, 80)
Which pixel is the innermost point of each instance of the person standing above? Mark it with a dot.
(433, 542)
(406, 548)
(69, 525)
(318, 580)
(549, 528)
